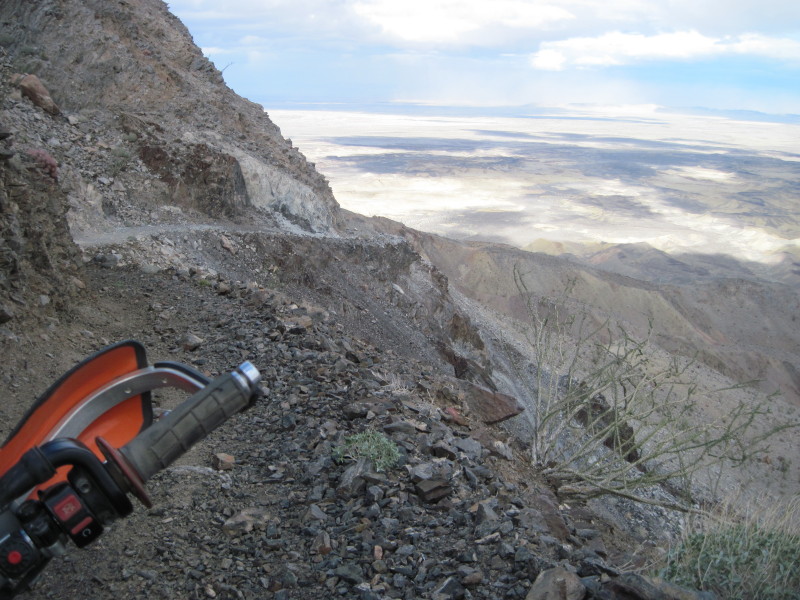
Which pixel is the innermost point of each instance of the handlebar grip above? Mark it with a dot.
(32, 469)
(162, 443)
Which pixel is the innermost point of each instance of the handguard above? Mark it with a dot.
(65, 486)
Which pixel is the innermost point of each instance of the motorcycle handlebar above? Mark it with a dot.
(96, 492)
(163, 442)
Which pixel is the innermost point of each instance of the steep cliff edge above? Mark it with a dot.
(744, 329)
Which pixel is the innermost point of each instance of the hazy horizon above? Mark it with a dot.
(530, 111)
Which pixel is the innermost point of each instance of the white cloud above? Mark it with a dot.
(500, 51)
(456, 21)
(252, 40)
(616, 48)
(760, 45)
(492, 23)
(312, 19)
(549, 59)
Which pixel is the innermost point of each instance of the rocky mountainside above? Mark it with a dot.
(261, 509)
(141, 198)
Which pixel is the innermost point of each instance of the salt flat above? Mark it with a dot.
(621, 175)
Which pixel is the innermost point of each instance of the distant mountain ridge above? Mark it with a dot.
(643, 261)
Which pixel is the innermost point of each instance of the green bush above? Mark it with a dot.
(754, 558)
(369, 444)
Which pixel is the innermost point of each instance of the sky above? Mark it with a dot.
(721, 54)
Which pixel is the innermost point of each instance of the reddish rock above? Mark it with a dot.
(491, 407)
(33, 89)
(222, 461)
(452, 414)
(551, 515)
(322, 544)
(45, 162)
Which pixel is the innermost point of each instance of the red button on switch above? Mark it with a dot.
(14, 557)
(67, 508)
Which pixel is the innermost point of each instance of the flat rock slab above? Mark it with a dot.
(491, 407)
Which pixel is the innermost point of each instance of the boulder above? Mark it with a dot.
(432, 490)
(491, 407)
(245, 521)
(556, 584)
(354, 480)
(33, 89)
(222, 461)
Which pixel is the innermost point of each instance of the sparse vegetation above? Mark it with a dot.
(609, 419)
(397, 387)
(121, 158)
(28, 51)
(369, 444)
(741, 558)
(45, 162)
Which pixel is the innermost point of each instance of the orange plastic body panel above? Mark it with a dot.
(118, 425)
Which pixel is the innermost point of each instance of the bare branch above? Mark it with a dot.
(607, 419)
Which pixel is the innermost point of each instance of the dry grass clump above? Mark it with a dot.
(748, 557)
(369, 444)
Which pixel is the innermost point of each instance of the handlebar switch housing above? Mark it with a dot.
(72, 514)
(95, 493)
(38, 524)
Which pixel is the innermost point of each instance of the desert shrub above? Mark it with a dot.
(609, 418)
(396, 386)
(121, 159)
(741, 558)
(45, 162)
(369, 444)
